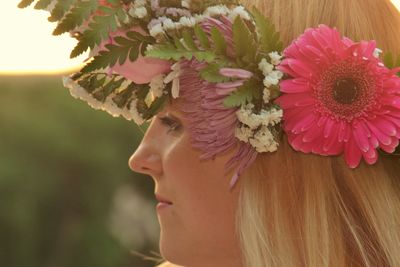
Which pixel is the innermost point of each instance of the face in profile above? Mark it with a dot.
(199, 225)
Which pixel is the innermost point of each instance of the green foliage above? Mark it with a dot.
(244, 94)
(268, 38)
(42, 4)
(98, 30)
(25, 3)
(218, 41)
(62, 163)
(211, 73)
(119, 52)
(77, 15)
(391, 61)
(59, 10)
(184, 48)
(243, 40)
(201, 36)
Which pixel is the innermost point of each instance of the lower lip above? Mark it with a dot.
(162, 206)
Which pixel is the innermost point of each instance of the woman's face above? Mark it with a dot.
(198, 229)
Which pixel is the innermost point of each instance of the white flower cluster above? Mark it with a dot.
(254, 128)
(109, 105)
(163, 24)
(138, 10)
(272, 76)
(223, 10)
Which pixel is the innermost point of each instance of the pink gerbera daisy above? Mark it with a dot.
(340, 97)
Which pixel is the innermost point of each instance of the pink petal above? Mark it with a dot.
(300, 68)
(382, 138)
(294, 100)
(352, 153)
(304, 123)
(235, 73)
(361, 138)
(312, 133)
(297, 85)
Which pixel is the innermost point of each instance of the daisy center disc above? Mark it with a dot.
(346, 90)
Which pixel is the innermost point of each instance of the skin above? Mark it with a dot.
(199, 228)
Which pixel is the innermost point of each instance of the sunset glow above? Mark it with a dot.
(28, 47)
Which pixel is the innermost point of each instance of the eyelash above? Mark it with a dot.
(173, 125)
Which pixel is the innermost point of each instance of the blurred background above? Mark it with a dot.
(67, 195)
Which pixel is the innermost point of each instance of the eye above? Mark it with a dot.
(171, 123)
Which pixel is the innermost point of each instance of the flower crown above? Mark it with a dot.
(328, 94)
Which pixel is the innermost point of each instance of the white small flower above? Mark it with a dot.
(149, 47)
(156, 30)
(239, 11)
(265, 66)
(139, 12)
(199, 18)
(264, 141)
(243, 133)
(140, 3)
(187, 21)
(186, 3)
(157, 85)
(216, 11)
(273, 78)
(266, 95)
(136, 116)
(377, 52)
(168, 24)
(275, 58)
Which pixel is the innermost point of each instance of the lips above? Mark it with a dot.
(162, 199)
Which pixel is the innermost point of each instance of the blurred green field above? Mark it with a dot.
(67, 196)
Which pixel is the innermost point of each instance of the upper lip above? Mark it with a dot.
(162, 199)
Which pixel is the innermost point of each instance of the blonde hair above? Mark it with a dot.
(307, 210)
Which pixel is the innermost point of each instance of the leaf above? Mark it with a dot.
(139, 37)
(77, 15)
(268, 37)
(243, 95)
(170, 52)
(388, 60)
(219, 41)
(243, 40)
(25, 3)
(115, 52)
(201, 36)
(60, 9)
(42, 4)
(211, 73)
(98, 30)
(188, 39)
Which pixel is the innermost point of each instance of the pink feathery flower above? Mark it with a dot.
(340, 98)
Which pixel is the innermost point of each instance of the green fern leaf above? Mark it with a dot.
(244, 43)
(25, 3)
(60, 9)
(211, 73)
(219, 41)
(79, 13)
(268, 37)
(243, 95)
(98, 31)
(388, 60)
(188, 39)
(42, 4)
(201, 36)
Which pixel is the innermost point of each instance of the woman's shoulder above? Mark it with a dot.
(167, 264)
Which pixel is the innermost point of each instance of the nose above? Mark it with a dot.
(146, 160)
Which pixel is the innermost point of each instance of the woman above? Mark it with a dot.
(336, 204)
(292, 209)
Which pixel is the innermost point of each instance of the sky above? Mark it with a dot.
(28, 47)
